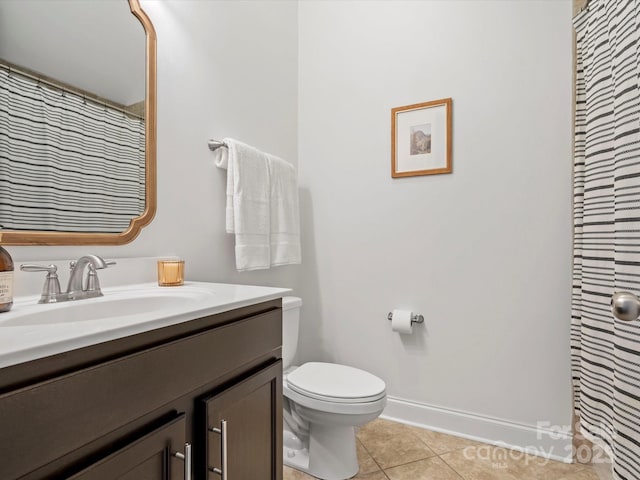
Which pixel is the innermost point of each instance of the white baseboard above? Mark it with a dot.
(543, 441)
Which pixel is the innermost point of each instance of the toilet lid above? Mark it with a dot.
(337, 383)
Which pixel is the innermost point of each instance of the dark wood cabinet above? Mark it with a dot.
(122, 409)
(242, 428)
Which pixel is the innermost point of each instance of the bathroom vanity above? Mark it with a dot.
(156, 396)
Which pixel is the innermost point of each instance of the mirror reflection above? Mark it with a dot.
(73, 144)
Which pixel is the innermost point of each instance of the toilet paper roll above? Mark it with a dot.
(401, 321)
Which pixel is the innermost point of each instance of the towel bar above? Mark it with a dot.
(216, 144)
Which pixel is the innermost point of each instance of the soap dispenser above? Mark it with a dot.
(6, 280)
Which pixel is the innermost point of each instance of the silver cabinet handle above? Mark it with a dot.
(625, 306)
(187, 460)
(222, 431)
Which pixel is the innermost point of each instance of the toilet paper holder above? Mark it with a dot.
(415, 318)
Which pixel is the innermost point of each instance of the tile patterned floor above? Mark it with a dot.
(393, 451)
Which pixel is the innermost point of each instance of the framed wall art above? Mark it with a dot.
(421, 139)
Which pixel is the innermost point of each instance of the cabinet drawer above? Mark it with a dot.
(52, 418)
(150, 457)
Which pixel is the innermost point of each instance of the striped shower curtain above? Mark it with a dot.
(606, 351)
(67, 164)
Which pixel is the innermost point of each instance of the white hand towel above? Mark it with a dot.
(262, 206)
(221, 160)
(285, 213)
(247, 211)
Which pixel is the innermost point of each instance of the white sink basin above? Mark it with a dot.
(31, 330)
(113, 306)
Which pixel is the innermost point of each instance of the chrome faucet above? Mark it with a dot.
(75, 290)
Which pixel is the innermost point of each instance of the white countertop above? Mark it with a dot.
(31, 330)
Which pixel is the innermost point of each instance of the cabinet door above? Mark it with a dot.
(151, 457)
(252, 438)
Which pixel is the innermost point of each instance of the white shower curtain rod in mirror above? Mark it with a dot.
(86, 96)
(582, 8)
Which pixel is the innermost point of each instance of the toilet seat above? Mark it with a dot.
(327, 406)
(333, 383)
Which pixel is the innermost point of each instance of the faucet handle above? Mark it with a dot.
(28, 267)
(93, 284)
(51, 289)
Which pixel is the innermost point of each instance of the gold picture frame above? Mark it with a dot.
(421, 139)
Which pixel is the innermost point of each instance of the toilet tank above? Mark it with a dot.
(290, 326)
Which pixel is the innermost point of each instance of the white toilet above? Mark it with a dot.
(323, 403)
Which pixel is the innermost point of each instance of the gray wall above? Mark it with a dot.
(485, 252)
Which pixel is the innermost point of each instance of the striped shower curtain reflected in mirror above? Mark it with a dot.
(67, 163)
(606, 351)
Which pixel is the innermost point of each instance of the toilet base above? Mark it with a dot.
(331, 453)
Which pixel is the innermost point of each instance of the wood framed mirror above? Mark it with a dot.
(88, 178)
